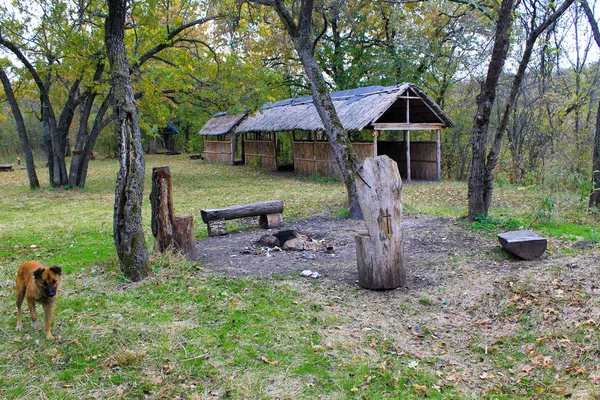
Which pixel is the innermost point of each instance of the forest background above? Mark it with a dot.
(192, 59)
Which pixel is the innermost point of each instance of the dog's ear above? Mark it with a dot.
(37, 274)
(56, 269)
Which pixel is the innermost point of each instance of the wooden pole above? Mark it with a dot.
(438, 149)
(407, 143)
(375, 135)
(233, 139)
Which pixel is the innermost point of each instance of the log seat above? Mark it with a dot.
(523, 243)
(269, 213)
(6, 168)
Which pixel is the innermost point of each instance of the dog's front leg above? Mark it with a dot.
(48, 312)
(20, 298)
(34, 321)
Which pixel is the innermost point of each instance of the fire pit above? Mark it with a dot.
(292, 240)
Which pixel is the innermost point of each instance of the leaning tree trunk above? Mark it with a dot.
(478, 191)
(344, 153)
(127, 223)
(22, 131)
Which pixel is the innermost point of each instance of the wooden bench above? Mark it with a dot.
(269, 213)
(6, 168)
(524, 244)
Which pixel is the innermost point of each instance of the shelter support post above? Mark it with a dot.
(438, 151)
(375, 136)
(232, 138)
(407, 144)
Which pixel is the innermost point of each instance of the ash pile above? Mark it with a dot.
(290, 240)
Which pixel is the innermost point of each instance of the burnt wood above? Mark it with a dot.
(523, 243)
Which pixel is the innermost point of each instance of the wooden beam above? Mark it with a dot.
(232, 141)
(375, 136)
(242, 210)
(407, 143)
(438, 154)
(398, 126)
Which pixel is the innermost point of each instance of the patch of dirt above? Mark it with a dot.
(466, 310)
(428, 241)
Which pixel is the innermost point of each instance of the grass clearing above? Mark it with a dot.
(185, 333)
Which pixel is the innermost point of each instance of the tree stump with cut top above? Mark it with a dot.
(523, 243)
(380, 252)
(172, 232)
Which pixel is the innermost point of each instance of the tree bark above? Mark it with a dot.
(492, 158)
(477, 190)
(22, 131)
(55, 148)
(301, 34)
(380, 254)
(171, 232)
(127, 221)
(595, 194)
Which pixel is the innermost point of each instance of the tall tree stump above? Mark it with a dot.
(171, 232)
(380, 252)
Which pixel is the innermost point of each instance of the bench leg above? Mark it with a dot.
(267, 221)
(217, 227)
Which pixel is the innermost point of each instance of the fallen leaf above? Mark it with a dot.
(484, 321)
(67, 386)
(453, 377)
(267, 361)
(484, 376)
(527, 368)
(542, 339)
(156, 380)
(560, 389)
(421, 388)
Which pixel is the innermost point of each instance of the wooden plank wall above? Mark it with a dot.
(217, 151)
(312, 158)
(423, 164)
(260, 153)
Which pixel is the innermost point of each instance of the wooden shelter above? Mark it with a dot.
(375, 109)
(221, 140)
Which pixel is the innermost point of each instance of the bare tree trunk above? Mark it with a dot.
(22, 130)
(485, 100)
(301, 33)
(127, 223)
(492, 158)
(595, 195)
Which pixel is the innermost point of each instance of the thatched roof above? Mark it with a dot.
(357, 109)
(221, 124)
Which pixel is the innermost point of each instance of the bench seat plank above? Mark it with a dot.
(242, 210)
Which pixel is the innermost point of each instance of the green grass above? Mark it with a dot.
(188, 333)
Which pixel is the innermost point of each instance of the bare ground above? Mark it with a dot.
(477, 317)
(428, 241)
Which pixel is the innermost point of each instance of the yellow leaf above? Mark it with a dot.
(421, 388)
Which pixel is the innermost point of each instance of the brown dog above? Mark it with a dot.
(37, 283)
